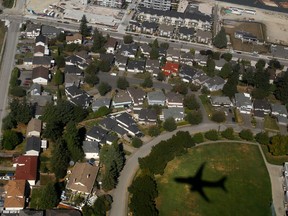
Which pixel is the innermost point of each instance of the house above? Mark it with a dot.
(76, 38)
(174, 99)
(170, 68)
(33, 146)
(245, 36)
(62, 212)
(101, 102)
(72, 69)
(34, 128)
(15, 195)
(84, 100)
(32, 30)
(186, 33)
(40, 75)
(121, 62)
(127, 123)
(152, 66)
(26, 168)
(38, 111)
(40, 100)
(137, 95)
(82, 178)
(73, 60)
(219, 63)
(156, 98)
(177, 113)
(261, 107)
(166, 30)
(200, 78)
(172, 54)
(122, 99)
(128, 50)
(71, 79)
(203, 36)
(35, 89)
(187, 73)
(215, 83)
(50, 31)
(96, 133)
(111, 124)
(39, 51)
(187, 58)
(136, 66)
(145, 49)
(44, 61)
(41, 40)
(111, 138)
(149, 27)
(217, 101)
(201, 59)
(147, 116)
(83, 55)
(107, 57)
(243, 103)
(135, 26)
(111, 45)
(91, 149)
(30, 212)
(28, 61)
(278, 110)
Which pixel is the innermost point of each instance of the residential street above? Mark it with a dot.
(7, 66)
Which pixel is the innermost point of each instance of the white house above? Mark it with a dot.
(75, 38)
(34, 128)
(40, 75)
(243, 103)
(33, 146)
(91, 149)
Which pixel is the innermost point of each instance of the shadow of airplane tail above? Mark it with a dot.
(221, 183)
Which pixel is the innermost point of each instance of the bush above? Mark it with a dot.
(194, 117)
(198, 138)
(8, 3)
(11, 139)
(104, 88)
(170, 124)
(246, 134)
(191, 102)
(137, 142)
(218, 116)
(228, 133)
(154, 131)
(212, 135)
(194, 87)
(262, 138)
(18, 91)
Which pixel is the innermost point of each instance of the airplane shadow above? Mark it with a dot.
(197, 184)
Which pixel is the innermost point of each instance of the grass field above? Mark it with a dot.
(270, 123)
(248, 183)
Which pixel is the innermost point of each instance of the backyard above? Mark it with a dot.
(248, 184)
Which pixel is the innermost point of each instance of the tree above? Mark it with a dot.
(198, 138)
(164, 45)
(154, 53)
(14, 77)
(84, 30)
(137, 142)
(212, 135)
(100, 206)
(228, 133)
(194, 117)
(21, 111)
(58, 78)
(105, 66)
(210, 67)
(91, 79)
(60, 159)
(170, 124)
(160, 76)
(230, 87)
(53, 130)
(281, 91)
(60, 61)
(98, 42)
(127, 39)
(205, 90)
(274, 63)
(11, 139)
(278, 145)
(246, 134)
(49, 197)
(227, 56)
(260, 64)
(61, 37)
(122, 83)
(17, 91)
(147, 83)
(218, 116)
(181, 88)
(109, 179)
(104, 88)
(194, 87)
(8, 122)
(220, 40)
(191, 102)
(155, 44)
(73, 141)
(92, 68)
(154, 131)
(226, 70)
(262, 138)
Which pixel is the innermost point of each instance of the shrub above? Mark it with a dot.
(228, 133)
(170, 124)
(154, 131)
(246, 134)
(11, 139)
(218, 116)
(194, 117)
(198, 138)
(262, 138)
(211, 135)
(137, 142)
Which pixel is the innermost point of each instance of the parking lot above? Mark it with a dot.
(25, 78)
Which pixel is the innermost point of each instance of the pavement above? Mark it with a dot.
(7, 66)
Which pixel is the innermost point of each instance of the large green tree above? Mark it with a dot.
(20, 110)
(191, 102)
(122, 83)
(98, 42)
(49, 197)
(60, 159)
(281, 91)
(58, 78)
(11, 139)
(84, 29)
(220, 40)
(104, 88)
(170, 124)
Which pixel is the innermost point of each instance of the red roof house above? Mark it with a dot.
(26, 168)
(170, 68)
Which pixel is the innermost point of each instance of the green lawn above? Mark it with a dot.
(248, 183)
(207, 105)
(270, 123)
(2, 33)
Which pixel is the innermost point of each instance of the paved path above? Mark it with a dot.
(120, 194)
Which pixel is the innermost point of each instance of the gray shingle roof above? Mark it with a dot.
(90, 147)
(33, 143)
(156, 96)
(174, 112)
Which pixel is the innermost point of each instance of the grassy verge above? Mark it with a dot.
(241, 164)
(270, 123)
(207, 105)
(238, 117)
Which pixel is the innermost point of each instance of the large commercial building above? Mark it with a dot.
(157, 4)
(110, 3)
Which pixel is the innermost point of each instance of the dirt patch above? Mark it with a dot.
(244, 148)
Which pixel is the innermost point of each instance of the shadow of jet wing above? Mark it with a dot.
(200, 172)
(201, 192)
(183, 180)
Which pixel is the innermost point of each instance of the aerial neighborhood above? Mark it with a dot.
(106, 104)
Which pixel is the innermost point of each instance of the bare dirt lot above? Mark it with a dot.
(276, 23)
(257, 29)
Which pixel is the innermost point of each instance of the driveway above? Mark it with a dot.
(283, 129)
(246, 120)
(259, 123)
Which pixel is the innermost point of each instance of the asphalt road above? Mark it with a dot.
(7, 66)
